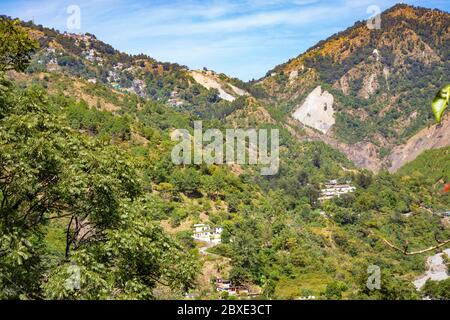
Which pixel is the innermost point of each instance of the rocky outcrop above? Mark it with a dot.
(436, 136)
(209, 80)
(365, 154)
(369, 73)
(317, 111)
(370, 86)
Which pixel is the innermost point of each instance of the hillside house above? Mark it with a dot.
(334, 189)
(175, 102)
(223, 285)
(308, 298)
(203, 232)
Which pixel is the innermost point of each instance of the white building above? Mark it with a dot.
(223, 285)
(175, 102)
(203, 232)
(333, 189)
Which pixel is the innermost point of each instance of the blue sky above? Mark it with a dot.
(240, 38)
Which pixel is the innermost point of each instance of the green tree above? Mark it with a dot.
(51, 175)
(16, 47)
(333, 290)
(392, 287)
(135, 257)
(439, 290)
(186, 180)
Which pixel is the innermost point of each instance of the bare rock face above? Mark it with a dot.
(293, 75)
(436, 136)
(238, 91)
(370, 86)
(317, 111)
(368, 73)
(363, 154)
(343, 84)
(209, 80)
(370, 69)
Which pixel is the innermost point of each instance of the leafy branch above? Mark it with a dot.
(440, 103)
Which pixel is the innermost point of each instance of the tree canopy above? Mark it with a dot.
(16, 47)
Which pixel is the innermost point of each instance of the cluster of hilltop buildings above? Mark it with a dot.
(334, 189)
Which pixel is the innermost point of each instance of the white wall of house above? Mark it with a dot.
(205, 233)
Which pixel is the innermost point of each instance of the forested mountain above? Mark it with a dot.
(368, 90)
(87, 181)
(86, 57)
(376, 84)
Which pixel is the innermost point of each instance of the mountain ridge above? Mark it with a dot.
(370, 114)
(90, 183)
(380, 83)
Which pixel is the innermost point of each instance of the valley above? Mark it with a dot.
(87, 178)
